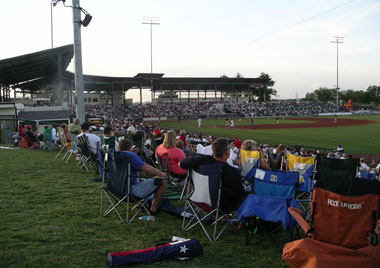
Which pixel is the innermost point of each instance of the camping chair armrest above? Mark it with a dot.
(297, 215)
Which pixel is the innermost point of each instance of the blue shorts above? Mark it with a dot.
(144, 188)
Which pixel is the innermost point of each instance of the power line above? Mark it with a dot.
(298, 23)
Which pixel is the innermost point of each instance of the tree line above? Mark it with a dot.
(371, 95)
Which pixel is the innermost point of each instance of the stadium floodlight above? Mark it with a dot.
(55, 2)
(337, 39)
(151, 21)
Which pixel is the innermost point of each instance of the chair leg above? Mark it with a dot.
(71, 153)
(65, 155)
(59, 152)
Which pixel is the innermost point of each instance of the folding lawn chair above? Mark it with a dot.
(177, 182)
(147, 156)
(73, 143)
(274, 192)
(48, 139)
(335, 175)
(305, 166)
(249, 160)
(205, 196)
(362, 186)
(117, 167)
(85, 156)
(343, 232)
(276, 161)
(66, 146)
(369, 175)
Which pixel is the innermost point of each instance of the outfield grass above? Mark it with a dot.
(363, 139)
(49, 217)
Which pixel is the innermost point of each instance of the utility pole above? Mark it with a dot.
(78, 61)
(77, 23)
(337, 39)
(151, 21)
(51, 24)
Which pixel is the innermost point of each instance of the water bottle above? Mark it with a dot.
(147, 218)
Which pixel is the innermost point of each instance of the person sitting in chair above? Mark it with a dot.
(92, 138)
(174, 154)
(233, 192)
(145, 187)
(109, 141)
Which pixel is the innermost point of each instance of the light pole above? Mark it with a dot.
(51, 23)
(151, 21)
(337, 39)
(78, 72)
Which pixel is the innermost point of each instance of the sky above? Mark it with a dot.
(289, 40)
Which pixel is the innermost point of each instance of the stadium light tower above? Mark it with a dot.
(337, 39)
(151, 21)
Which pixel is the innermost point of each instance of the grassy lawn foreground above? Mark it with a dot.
(49, 217)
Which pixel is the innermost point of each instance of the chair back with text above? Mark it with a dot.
(335, 175)
(340, 220)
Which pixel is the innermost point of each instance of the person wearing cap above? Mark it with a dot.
(339, 150)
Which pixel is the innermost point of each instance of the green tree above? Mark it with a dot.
(325, 94)
(311, 96)
(267, 91)
(373, 94)
(239, 75)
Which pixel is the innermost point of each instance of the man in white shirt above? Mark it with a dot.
(92, 138)
(199, 122)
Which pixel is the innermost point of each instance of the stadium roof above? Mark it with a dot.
(39, 70)
(35, 70)
(108, 83)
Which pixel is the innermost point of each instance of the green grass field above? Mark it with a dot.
(354, 139)
(49, 217)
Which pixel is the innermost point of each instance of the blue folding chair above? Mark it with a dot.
(305, 166)
(367, 175)
(274, 193)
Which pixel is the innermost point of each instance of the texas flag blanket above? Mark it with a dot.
(182, 250)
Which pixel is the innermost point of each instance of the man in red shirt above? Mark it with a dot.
(237, 143)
